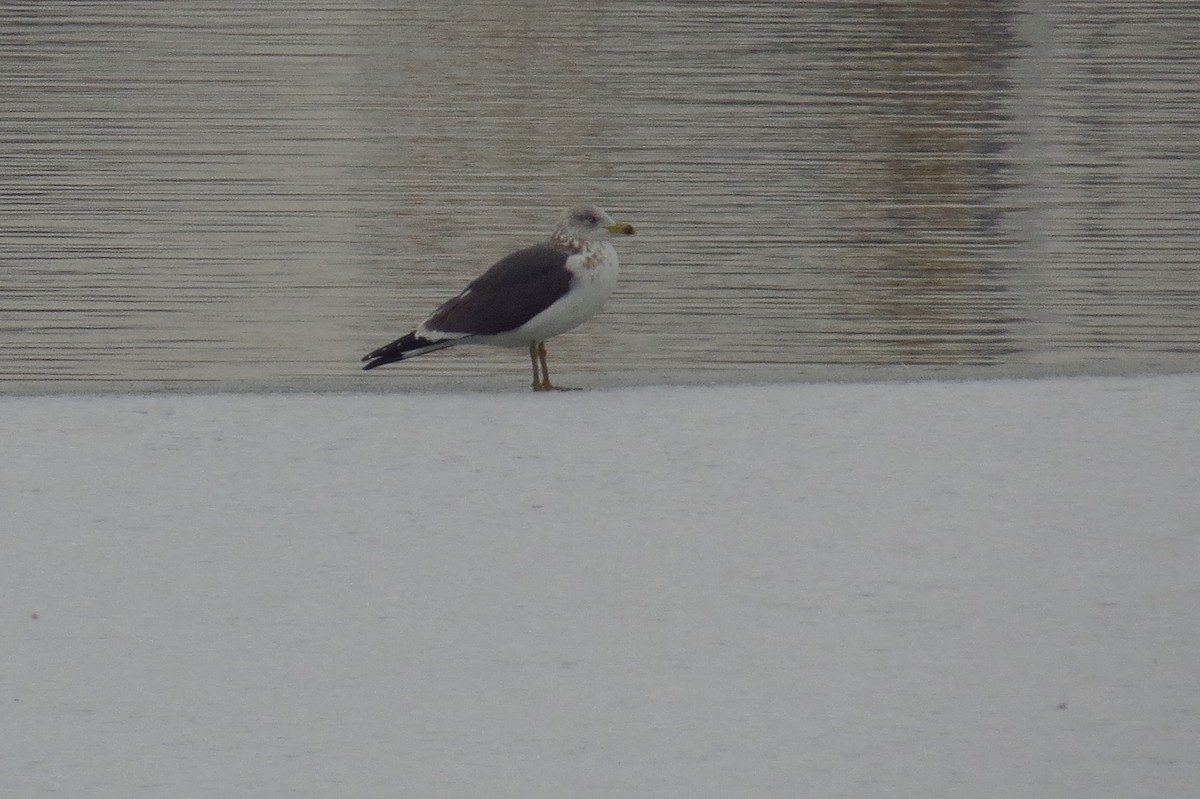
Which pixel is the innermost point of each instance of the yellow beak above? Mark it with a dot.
(624, 228)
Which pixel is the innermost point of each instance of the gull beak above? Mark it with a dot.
(623, 228)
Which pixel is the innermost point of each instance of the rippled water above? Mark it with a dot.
(221, 195)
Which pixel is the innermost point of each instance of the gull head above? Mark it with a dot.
(587, 223)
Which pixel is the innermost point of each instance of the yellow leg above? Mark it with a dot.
(533, 359)
(541, 351)
(545, 385)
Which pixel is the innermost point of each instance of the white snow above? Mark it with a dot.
(935, 589)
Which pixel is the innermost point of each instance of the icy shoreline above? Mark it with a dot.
(981, 588)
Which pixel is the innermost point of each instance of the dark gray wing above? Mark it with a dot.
(516, 289)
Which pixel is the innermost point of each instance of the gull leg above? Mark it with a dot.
(541, 350)
(533, 359)
(546, 384)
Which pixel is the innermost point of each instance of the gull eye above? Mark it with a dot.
(589, 219)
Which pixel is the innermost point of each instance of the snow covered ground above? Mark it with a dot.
(933, 589)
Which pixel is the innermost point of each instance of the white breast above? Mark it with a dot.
(595, 269)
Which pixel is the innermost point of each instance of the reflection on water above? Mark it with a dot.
(220, 194)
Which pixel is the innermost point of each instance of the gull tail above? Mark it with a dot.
(408, 346)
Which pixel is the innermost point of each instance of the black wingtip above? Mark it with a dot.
(381, 356)
(409, 346)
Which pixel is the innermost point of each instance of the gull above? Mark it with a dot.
(526, 297)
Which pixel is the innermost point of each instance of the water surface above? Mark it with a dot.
(229, 195)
